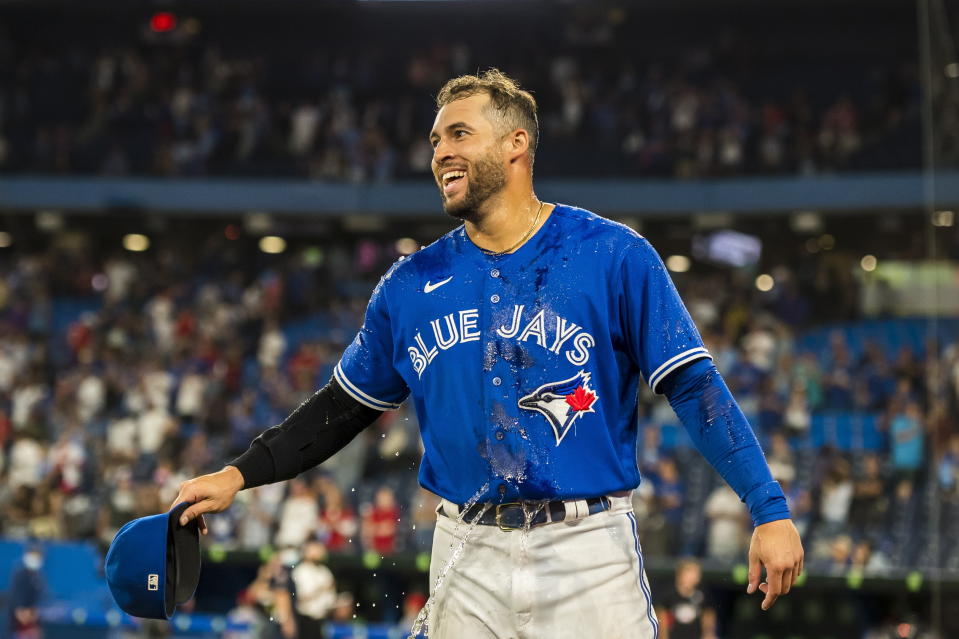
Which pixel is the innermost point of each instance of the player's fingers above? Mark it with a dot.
(186, 493)
(788, 578)
(755, 571)
(201, 523)
(195, 511)
(774, 580)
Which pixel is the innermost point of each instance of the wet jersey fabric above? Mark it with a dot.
(524, 368)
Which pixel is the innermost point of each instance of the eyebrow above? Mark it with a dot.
(450, 127)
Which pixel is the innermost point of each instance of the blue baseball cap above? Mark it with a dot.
(154, 564)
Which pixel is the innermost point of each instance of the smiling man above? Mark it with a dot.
(521, 337)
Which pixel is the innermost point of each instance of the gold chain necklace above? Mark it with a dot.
(522, 239)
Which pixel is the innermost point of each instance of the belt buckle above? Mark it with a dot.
(499, 515)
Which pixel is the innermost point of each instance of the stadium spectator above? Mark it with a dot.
(835, 497)
(869, 502)
(27, 588)
(26, 460)
(257, 514)
(669, 500)
(380, 521)
(728, 534)
(840, 555)
(271, 590)
(351, 117)
(298, 516)
(867, 559)
(650, 521)
(250, 617)
(800, 503)
(685, 610)
(315, 591)
(838, 381)
(906, 434)
(782, 460)
(338, 524)
(948, 469)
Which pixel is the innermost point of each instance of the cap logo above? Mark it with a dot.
(153, 582)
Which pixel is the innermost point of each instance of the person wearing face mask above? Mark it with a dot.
(26, 590)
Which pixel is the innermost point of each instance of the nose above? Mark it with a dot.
(442, 152)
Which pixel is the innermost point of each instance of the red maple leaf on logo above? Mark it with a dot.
(580, 399)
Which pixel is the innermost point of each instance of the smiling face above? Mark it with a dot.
(469, 165)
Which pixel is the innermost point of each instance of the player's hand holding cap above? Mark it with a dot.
(154, 564)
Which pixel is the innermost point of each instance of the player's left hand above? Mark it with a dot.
(777, 547)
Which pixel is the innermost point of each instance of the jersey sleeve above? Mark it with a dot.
(366, 370)
(659, 332)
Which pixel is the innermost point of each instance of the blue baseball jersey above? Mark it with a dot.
(524, 368)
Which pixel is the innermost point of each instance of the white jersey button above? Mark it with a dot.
(497, 381)
(494, 298)
(494, 272)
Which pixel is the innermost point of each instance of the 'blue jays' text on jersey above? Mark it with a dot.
(524, 368)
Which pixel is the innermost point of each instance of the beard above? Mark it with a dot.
(485, 178)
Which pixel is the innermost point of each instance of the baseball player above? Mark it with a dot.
(521, 338)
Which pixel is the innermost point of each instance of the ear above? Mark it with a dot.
(517, 144)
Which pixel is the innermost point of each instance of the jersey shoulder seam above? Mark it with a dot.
(590, 217)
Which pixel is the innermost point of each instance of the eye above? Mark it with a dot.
(457, 132)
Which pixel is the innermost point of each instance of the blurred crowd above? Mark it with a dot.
(224, 99)
(123, 374)
(874, 504)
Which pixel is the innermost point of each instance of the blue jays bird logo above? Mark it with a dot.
(562, 403)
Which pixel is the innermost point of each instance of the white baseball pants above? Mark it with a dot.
(564, 580)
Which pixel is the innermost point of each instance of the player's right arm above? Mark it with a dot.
(314, 432)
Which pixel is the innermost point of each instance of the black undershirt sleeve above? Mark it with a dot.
(314, 432)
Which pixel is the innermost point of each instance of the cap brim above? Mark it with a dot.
(183, 558)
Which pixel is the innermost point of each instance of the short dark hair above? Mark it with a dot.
(513, 106)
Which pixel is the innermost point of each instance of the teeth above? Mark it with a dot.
(453, 174)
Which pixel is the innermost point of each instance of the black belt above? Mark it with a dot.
(512, 515)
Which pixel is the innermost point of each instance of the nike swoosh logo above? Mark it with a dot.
(429, 288)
